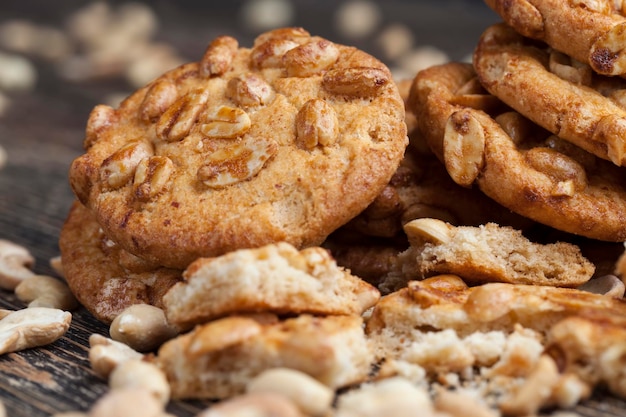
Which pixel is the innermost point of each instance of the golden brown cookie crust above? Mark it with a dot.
(591, 32)
(534, 174)
(217, 359)
(284, 141)
(518, 73)
(103, 277)
(275, 278)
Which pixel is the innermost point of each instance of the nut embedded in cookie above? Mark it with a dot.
(520, 165)
(227, 153)
(487, 253)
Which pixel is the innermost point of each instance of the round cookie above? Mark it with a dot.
(564, 97)
(103, 277)
(420, 188)
(284, 141)
(593, 32)
(515, 162)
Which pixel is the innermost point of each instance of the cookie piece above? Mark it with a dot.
(591, 32)
(530, 79)
(493, 336)
(105, 278)
(218, 359)
(284, 141)
(487, 253)
(593, 348)
(275, 278)
(447, 302)
(515, 162)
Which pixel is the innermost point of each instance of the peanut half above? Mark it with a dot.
(32, 327)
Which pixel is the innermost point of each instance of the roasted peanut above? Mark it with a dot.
(32, 327)
(464, 147)
(105, 354)
(143, 327)
(310, 395)
(136, 373)
(119, 168)
(45, 291)
(15, 264)
(609, 285)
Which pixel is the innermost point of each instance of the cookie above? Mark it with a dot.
(553, 92)
(218, 359)
(283, 141)
(486, 253)
(105, 278)
(495, 336)
(276, 278)
(421, 187)
(592, 347)
(444, 306)
(590, 32)
(515, 162)
(446, 302)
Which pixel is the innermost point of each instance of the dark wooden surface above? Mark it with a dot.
(42, 132)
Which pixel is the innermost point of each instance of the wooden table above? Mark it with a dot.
(42, 133)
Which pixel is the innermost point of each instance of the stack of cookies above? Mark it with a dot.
(282, 142)
(539, 131)
(264, 197)
(207, 193)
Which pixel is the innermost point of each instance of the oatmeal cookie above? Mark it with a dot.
(283, 141)
(515, 162)
(105, 278)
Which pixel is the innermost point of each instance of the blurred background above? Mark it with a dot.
(108, 49)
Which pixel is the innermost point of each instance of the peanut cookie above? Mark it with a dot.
(592, 347)
(515, 162)
(218, 359)
(486, 253)
(593, 32)
(447, 302)
(284, 141)
(274, 278)
(502, 340)
(105, 278)
(441, 323)
(421, 187)
(562, 96)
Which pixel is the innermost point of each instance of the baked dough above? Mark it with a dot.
(284, 141)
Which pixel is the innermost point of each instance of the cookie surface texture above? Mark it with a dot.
(218, 359)
(283, 141)
(274, 278)
(562, 96)
(493, 253)
(589, 31)
(105, 278)
(514, 161)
